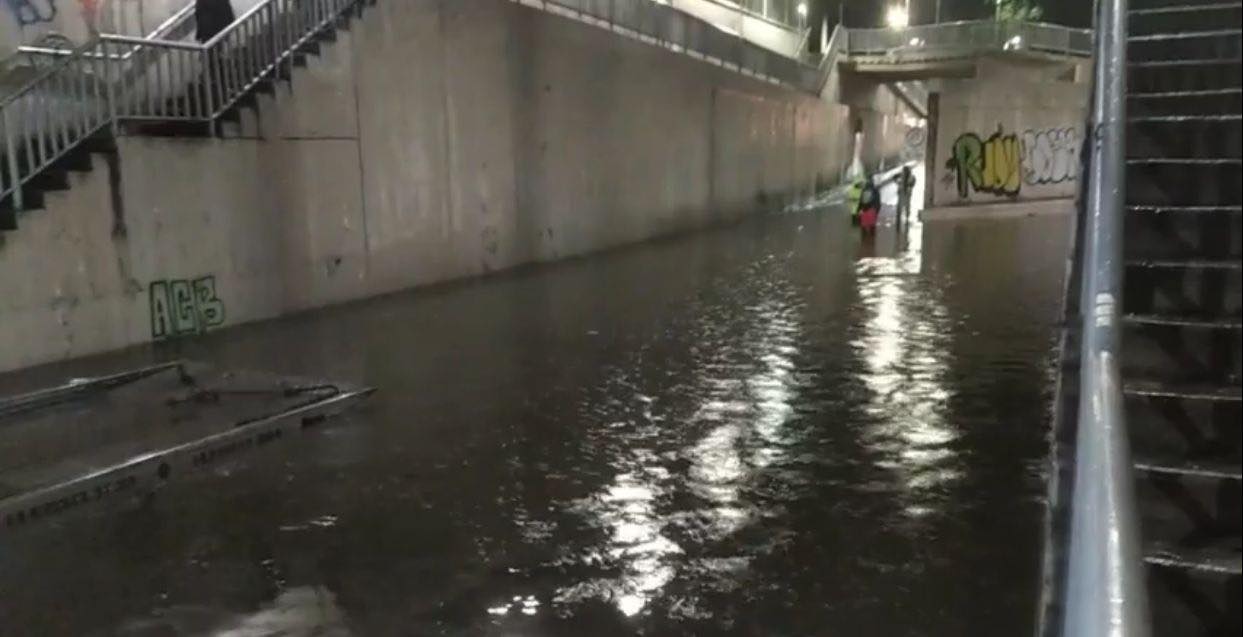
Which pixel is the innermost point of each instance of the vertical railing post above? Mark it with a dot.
(276, 44)
(10, 152)
(111, 75)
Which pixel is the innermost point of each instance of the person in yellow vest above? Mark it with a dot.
(853, 193)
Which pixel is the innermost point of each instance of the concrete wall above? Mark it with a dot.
(1011, 134)
(25, 21)
(769, 34)
(433, 140)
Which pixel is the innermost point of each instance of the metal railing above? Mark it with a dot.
(1104, 592)
(178, 27)
(835, 49)
(968, 38)
(116, 78)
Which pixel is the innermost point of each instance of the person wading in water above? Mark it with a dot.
(869, 208)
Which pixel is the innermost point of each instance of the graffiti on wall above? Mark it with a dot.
(29, 12)
(986, 165)
(1050, 156)
(181, 307)
(1001, 164)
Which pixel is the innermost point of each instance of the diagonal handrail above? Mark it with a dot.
(1105, 587)
(114, 78)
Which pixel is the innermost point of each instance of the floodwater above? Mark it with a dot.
(767, 429)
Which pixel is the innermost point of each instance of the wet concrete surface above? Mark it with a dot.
(768, 429)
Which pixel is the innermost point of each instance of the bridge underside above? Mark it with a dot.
(902, 67)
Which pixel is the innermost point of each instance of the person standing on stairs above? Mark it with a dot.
(212, 17)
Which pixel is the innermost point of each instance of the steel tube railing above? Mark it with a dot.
(116, 77)
(971, 36)
(1105, 589)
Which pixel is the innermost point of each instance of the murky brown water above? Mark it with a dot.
(763, 430)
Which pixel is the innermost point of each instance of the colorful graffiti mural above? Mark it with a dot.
(986, 165)
(1001, 164)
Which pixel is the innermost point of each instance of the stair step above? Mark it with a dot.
(1202, 138)
(1183, 391)
(1198, 422)
(1188, 502)
(1183, 348)
(1180, 233)
(1153, 6)
(1224, 44)
(1144, 106)
(1206, 470)
(1191, 16)
(1184, 75)
(1217, 560)
(1165, 320)
(1205, 287)
(1186, 264)
(1183, 184)
(8, 215)
(1194, 590)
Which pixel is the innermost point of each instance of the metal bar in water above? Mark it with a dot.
(146, 470)
(55, 395)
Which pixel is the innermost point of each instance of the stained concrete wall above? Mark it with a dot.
(772, 35)
(433, 140)
(1013, 133)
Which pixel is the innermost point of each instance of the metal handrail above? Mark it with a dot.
(114, 78)
(970, 36)
(1105, 589)
(179, 20)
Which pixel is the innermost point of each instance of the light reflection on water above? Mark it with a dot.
(902, 343)
(742, 395)
(753, 431)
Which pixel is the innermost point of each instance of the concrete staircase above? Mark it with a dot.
(78, 158)
(1181, 362)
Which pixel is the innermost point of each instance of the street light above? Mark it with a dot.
(898, 17)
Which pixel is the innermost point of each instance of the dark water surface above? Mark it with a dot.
(768, 429)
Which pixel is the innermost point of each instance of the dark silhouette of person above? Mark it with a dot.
(212, 17)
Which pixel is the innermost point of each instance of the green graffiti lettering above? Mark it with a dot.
(210, 308)
(993, 166)
(181, 307)
(968, 162)
(184, 315)
(161, 313)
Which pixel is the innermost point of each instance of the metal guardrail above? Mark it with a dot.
(177, 27)
(115, 78)
(969, 37)
(1105, 591)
